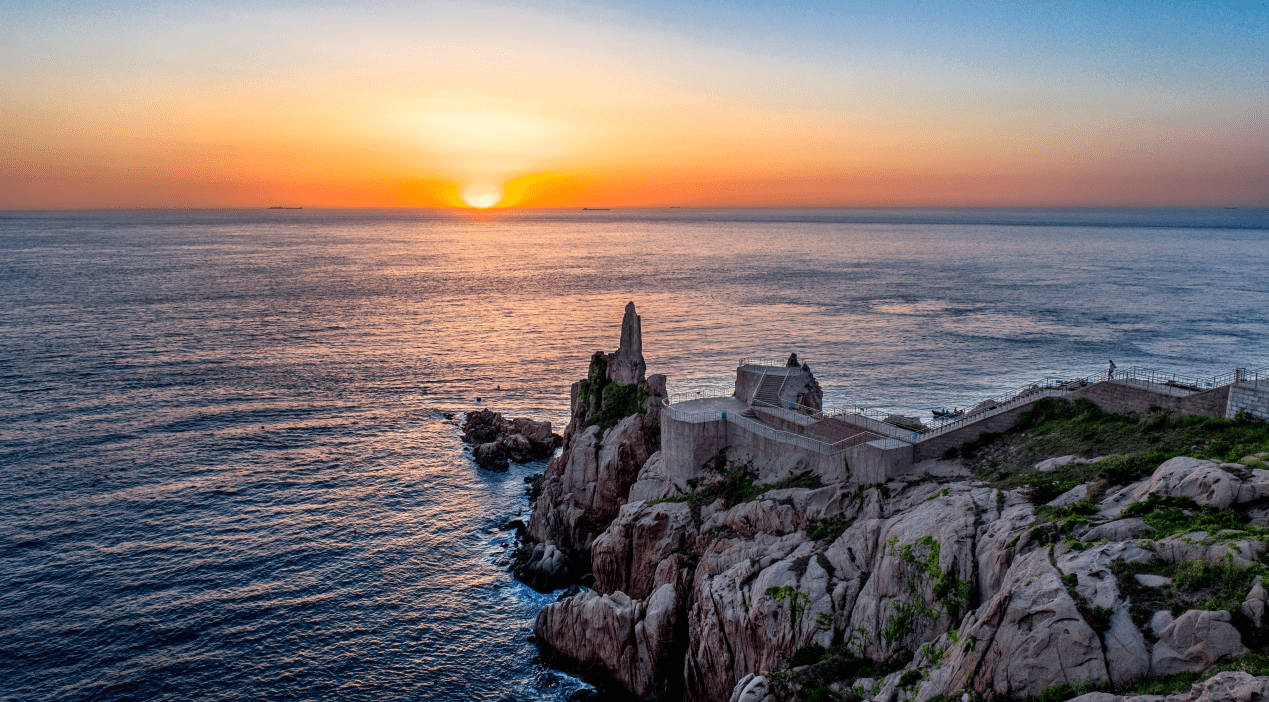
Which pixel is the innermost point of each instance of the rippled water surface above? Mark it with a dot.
(226, 470)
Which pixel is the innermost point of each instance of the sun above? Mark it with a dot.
(482, 196)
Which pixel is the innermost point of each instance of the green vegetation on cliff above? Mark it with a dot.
(1134, 445)
(606, 402)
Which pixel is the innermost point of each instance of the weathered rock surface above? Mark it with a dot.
(1118, 530)
(1254, 605)
(495, 439)
(1195, 641)
(1030, 636)
(643, 538)
(632, 641)
(752, 688)
(1202, 481)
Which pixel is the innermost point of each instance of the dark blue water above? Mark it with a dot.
(225, 466)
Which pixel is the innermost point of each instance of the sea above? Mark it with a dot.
(230, 456)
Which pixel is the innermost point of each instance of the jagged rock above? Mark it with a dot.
(1254, 605)
(830, 502)
(1200, 480)
(1096, 697)
(737, 626)
(752, 688)
(1194, 642)
(626, 367)
(1030, 636)
(642, 538)
(489, 456)
(1254, 488)
(749, 518)
(1127, 658)
(632, 641)
(544, 567)
(497, 439)
(1229, 686)
(586, 485)
(655, 481)
(998, 541)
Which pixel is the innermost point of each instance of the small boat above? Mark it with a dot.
(948, 414)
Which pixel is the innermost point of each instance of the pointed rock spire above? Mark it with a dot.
(626, 367)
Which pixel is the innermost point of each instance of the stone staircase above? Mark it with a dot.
(768, 392)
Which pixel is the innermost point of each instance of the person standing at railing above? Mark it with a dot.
(1110, 370)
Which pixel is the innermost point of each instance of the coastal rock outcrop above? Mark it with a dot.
(494, 439)
(615, 428)
(736, 582)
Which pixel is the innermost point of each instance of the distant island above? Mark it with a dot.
(279, 207)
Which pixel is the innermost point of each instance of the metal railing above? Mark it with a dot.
(771, 363)
(1253, 376)
(753, 425)
(1023, 397)
(699, 394)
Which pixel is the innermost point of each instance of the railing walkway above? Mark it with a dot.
(767, 394)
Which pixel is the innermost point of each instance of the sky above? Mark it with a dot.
(611, 104)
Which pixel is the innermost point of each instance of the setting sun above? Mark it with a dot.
(482, 197)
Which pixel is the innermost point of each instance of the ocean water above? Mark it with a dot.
(227, 470)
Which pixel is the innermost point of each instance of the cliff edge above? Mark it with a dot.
(939, 585)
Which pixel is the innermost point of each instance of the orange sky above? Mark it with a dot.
(532, 107)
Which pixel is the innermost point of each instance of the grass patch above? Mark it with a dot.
(1170, 516)
(1053, 524)
(1068, 691)
(1254, 662)
(1136, 444)
(1209, 585)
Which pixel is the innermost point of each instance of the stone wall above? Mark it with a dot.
(686, 446)
(935, 446)
(878, 461)
(1249, 398)
(1121, 397)
(747, 378)
(776, 459)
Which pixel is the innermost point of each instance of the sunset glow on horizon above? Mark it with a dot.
(570, 104)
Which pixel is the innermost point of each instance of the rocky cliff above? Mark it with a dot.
(615, 428)
(932, 587)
